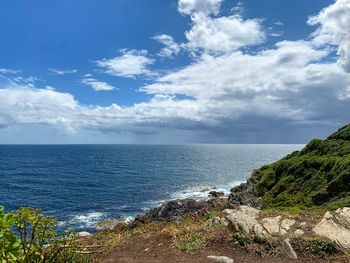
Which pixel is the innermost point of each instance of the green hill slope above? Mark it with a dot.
(318, 175)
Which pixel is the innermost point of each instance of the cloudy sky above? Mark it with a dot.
(173, 71)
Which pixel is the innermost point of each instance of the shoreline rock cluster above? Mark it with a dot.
(246, 193)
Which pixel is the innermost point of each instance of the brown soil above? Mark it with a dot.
(157, 249)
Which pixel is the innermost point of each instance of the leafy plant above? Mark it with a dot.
(323, 247)
(34, 231)
(27, 236)
(9, 243)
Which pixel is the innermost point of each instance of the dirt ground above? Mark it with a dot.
(157, 249)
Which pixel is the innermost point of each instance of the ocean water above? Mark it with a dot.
(81, 185)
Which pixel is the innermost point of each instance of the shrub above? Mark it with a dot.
(323, 247)
(9, 243)
(189, 242)
(242, 238)
(28, 236)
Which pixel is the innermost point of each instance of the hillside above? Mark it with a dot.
(318, 175)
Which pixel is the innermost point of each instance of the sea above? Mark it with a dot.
(82, 185)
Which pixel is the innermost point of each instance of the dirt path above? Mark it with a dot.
(157, 249)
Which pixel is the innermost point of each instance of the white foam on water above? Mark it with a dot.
(202, 193)
(195, 193)
(88, 220)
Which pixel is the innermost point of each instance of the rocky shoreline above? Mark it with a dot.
(289, 235)
(243, 194)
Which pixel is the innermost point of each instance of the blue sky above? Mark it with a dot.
(173, 71)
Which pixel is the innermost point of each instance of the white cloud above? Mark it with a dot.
(222, 90)
(8, 71)
(223, 34)
(199, 6)
(130, 64)
(219, 34)
(213, 76)
(333, 28)
(278, 23)
(63, 71)
(97, 85)
(170, 49)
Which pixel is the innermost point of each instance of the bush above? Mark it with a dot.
(323, 247)
(242, 238)
(28, 236)
(189, 242)
(9, 243)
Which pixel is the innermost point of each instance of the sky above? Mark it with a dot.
(173, 71)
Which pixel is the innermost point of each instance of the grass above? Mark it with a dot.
(189, 242)
(187, 235)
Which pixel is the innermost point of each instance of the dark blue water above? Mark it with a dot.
(83, 184)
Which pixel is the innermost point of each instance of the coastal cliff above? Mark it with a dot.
(318, 175)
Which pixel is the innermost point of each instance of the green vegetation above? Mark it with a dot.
(322, 247)
(28, 236)
(189, 242)
(318, 175)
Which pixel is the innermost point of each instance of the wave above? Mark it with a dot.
(195, 193)
(85, 221)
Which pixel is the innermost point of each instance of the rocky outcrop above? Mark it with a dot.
(216, 194)
(335, 226)
(178, 208)
(246, 219)
(246, 193)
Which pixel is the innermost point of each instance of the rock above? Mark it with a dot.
(289, 249)
(335, 226)
(272, 225)
(84, 234)
(287, 223)
(220, 259)
(223, 221)
(106, 225)
(174, 209)
(216, 194)
(245, 218)
(246, 193)
(298, 233)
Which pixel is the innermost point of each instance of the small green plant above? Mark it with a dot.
(189, 242)
(242, 238)
(260, 240)
(323, 247)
